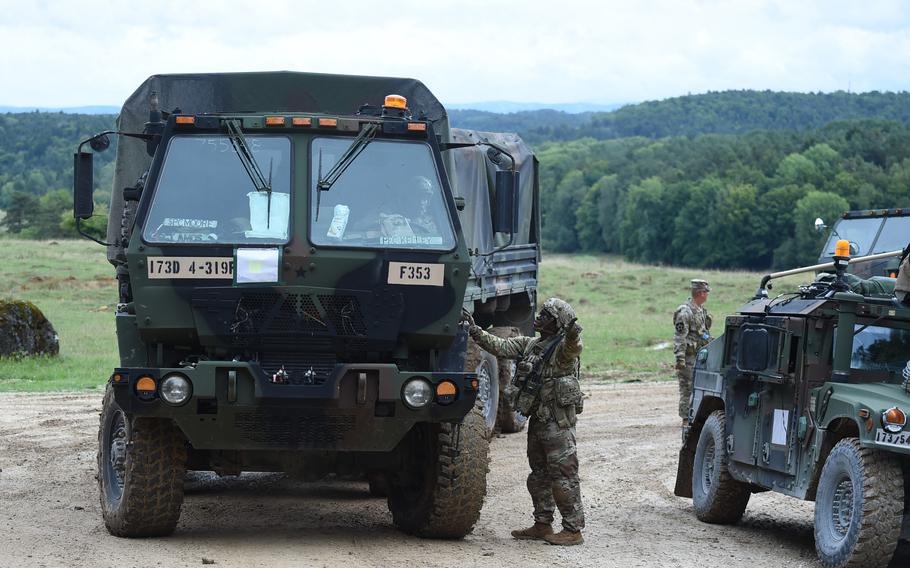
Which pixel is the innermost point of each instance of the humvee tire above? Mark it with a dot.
(485, 365)
(716, 496)
(859, 507)
(442, 490)
(141, 484)
(508, 420)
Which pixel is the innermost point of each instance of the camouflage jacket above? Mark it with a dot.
(563, 363)
(692, 323)
(902, 283)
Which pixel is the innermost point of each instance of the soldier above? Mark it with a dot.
(692, 322)
(902, 283)
(551, 361)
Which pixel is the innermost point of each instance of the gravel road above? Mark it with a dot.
(628, 442)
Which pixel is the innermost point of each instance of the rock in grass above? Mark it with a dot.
(25, 331)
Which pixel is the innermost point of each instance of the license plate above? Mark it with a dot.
(900, 440)
(196, 267)
(416, 274)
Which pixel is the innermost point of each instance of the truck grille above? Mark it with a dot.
(293, 431)
(264, 313)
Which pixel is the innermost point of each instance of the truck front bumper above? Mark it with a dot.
(234, 406)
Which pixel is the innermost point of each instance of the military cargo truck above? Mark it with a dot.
(807, 394)
(869, 232)
(293, 253)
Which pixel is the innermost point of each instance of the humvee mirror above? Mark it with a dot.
(100, 143)
(819, 225)
(854, 248)
(83, 204)
(504, 220)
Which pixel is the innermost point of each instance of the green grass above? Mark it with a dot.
(625, 309)
(73, 284)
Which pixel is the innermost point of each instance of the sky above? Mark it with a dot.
(88, 52)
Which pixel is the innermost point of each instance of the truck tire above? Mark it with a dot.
(441, 491)
(508, 420)
(484, 364)
(859, 507)
(716, 496)
(141, 467)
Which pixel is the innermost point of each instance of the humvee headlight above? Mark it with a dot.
(417, 393)
(893, 420)
(176, 389)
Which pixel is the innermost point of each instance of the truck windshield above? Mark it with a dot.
(894, 235)
(881, 349)
(204, 195)
(390, 196)
(859, 231)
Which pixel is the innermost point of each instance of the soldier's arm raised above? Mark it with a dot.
(511, 348)
(571, 346)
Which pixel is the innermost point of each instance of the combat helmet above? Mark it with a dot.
(559, 309)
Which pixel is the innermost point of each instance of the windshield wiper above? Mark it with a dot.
(366, 134)
(238, 140)
(248, 161)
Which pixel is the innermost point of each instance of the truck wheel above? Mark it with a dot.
(440, 492)
(716, 496)
(859, 507)
(141, 466)
(508, 420)
(484, 364)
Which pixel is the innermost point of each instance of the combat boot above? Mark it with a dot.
(565, 538)
(540, 531)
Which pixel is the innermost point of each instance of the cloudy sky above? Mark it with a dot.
(88, 52)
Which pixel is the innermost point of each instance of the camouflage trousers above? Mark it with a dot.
(553, 482)
(685, 386)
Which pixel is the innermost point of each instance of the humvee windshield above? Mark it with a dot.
(204, 195)
(881, 349)
(390, 196)
(859, 231)
(894, 235)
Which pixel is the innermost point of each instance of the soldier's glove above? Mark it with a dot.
(574, 330)
(466, 319)
(680, 364)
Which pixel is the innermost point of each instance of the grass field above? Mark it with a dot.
(625, 310)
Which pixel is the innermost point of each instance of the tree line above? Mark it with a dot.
(729, 180)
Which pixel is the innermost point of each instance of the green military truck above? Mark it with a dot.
(807, 394)
(870, 232)
(293, 253)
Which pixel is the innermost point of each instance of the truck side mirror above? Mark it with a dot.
(819, 225)
(506, 197)
(83, 180)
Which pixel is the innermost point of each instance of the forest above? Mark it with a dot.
(724, 180)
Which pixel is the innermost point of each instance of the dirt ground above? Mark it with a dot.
(628, 442)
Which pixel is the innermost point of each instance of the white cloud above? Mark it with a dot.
(93, 52)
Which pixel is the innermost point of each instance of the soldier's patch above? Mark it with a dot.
(680, 327)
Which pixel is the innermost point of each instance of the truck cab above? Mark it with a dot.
(291, 281)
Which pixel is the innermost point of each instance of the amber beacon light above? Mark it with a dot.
(395, 101)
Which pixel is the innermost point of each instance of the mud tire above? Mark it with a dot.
(485, 365)
(508, 420)
(716, 496)
(153, 470)
(868, 535)
(449, 464)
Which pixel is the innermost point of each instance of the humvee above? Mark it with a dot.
(292, 265)
(807, 393)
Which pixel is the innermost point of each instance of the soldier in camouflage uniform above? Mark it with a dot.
(553, 482)
(693, 323)
(902, 282)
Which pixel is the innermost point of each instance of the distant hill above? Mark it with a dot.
(511, 106)
(97, 109)
(726, 112)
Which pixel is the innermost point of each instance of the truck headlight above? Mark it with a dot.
(417, 393)
(175, 389)
(894, 419)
